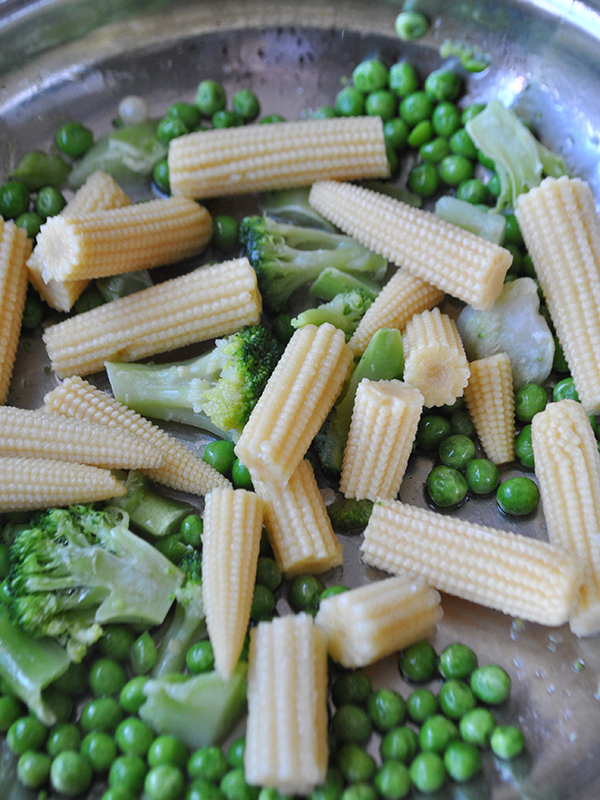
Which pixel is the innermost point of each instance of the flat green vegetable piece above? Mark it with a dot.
(487, 224)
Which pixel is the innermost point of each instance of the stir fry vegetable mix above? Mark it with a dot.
(80, 614)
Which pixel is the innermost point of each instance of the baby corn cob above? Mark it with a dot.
(435, 360)
(286, 732)
(180, 468)
(295, 402)
(402, 296)
(561, 229)
(491, 402)
(34, 434)
(232, 529)
(208, 302)
(298, 525)
(124, 239)
(377, 619)
(99, 193)
(15, 248)
(28, 484)
(454, 260)
(523, 577)
(383, 427)
(567, 465)
(261, 157)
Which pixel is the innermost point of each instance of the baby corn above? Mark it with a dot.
(454, 260)
(435, 360)
(15, 248)
(561, 229)
(180, 468)
(297, 398)
(205, 303)
(523, 577)
(298, 525)
(372, 621)
(286, 733)
(567, 465)
(384, 425)
(260, 157)
(491, 402)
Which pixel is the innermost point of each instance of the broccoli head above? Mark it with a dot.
(287, 257)
(345, 311)
(216, 391)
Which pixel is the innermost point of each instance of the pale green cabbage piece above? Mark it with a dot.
(487, 224)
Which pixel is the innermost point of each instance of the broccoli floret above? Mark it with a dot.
(286, 257)
(382, 360)
(333, 281)
(215, 392)
(345, 311)
(349, 514)
(75, 569)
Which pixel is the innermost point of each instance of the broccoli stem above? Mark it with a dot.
(149, 512)
(333, 281)
(187, 627)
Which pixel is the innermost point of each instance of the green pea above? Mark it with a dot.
(442, 85)
(128, 773)
(476, 726)
(386, 709)
(457, 661)
(416, 107)
(462, 144)
(33, 312)
(143, 654)
(210, 97)
(33, 769)
(351, 724)
(100, 749)
(271, 118)
(565, 390)
(421, 705)
(403, 79)
(446, 486)
(234, 786)
(418, 662)
(512, 232)
(49, 202)
(170, 128)
(63, 736)
(431, 431)
(507, 741)
(74, 681)
(70, 773)
(395, 133)
(74, 139)
(457, 451)
(493, 185)
(456, 698)
(26, 733)
(331, 591)
(201, 789)
(226, 119)
(351, 687)
(471, 111)
(189, 114)
(324, 112)
(410, 25)
(31, 222)
(350, 102)
(160, 175)
(167, 749)
(226, 233)
(359, 791)
(518, 496)
(245, 103)
(132, 695)
(455, 169)
(392, 780)
(200, 658)
(462, 760)
(436, 734)
(191, 530)
(117, 793)
(420, 134)
(485, 161)
(10, 711)
(491, 684)
(461, 423)
(355, 764)
(208, 763)
(304, 592)
(529, 401)
(399, 744)
(472, 191)
(424, 179)
(116, 642)
(90, 298)
(107, 677)
(220, 455)
(445, 119)
(524, 448)
(268, 573)
(235, 753)
(282, 328)
(370, 75)
(435, 150)
(427, 772)
(164, 782)
(517, 261)
(240, 476)
(263, 603)
(60, 703)
(133, 737)
(101, 714)
(14, 199)
(381, 103)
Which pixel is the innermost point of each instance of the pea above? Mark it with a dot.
(359, 791)
(445, 119)
(331, 789)
(462, 144)
(493, 185)
(485, 161)
(370, 75)
(226, 232)
(210, 97)
(164, 782)
(416, 107)
(305, 591)
(456, 698)
(101, 714)
(49, 202)
(33, 312)
(446, 486)
(351, 687)
(160, 175)
(208, 763)
(420, 134)
(26, 733)
(128, 773)
(132, 695)
(282, 327)
(31, 222)
(116, 642)
(418, 662)
(472, 191)
(403, 79)
(63, 736)
(529, 401)
(518, 496)
(220, 455)
(234, 786)
(431, 431)
(200, 658)
(350, 102)
(462, 760)
(331, 591)
(399, 744)
(268, 573)
(435, 150)
(436, 734)
(507, 741)
(10, 711)
(392, 780)
(70, 773)
(74, 681)
(33, 769)
(74, 139)
(226, 119)
(235, 754)
(355, 764)
(512, 232)
(421, 705)
(100, 749)
(201, 789)
(324, 112)
(143, 654)
(381, 103)
(386, 709)
(351, 724)
(133, 737)
(410, 25)
(490, 684)
(424, 179)
(565, 390)
(91, 297)
(471, 111)
(428, 772)
(107, 677)
(14, 199)
(476, 726)
(457, 661)
(271, 118)
(456, 451)
(191, 530)
(189, 114)
(263, 603)
(240, 476)
(524, 448)
(455, 169)
(461, 422)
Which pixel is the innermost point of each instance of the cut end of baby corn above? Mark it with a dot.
(180, 469)
(454, 260)
(490, 399)
(15, 249)
(382, 431)
(520, 576)
(28, 484)
(232, 528)
(203, 304)
(434, 358)
(561, 229)
(295, 402)
(257, 158)
(567, 465)
(125, 239)
(403, 296)
(370, 622)
(60, 295)
(286, 731)
(298, 525)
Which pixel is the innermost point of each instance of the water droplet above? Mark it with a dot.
(539, 673)
(550, 689)
(573, 737)
(578, 665)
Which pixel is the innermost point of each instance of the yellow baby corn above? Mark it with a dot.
(402, 296)
(434, 358)
(35, 434)
(180, 468)
(567, 465)
(295, 402)
(99, 193)
(523, 577)
(232, 529)
(15, 248)
(124, 239)
(561, 229)
(260, 157)
(286, 732)
(454, 260)
(208, 302)
(372, 621)
(297, 523)
(384, 425)
(491, 402)
(27, 484)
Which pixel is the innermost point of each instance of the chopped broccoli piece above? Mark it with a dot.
(333, 281)
(382, 360)
(349, 514)
(345, 311)
(73, 570)
(287, 257)
(292, 206)
(216, 391)
(487, 224)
